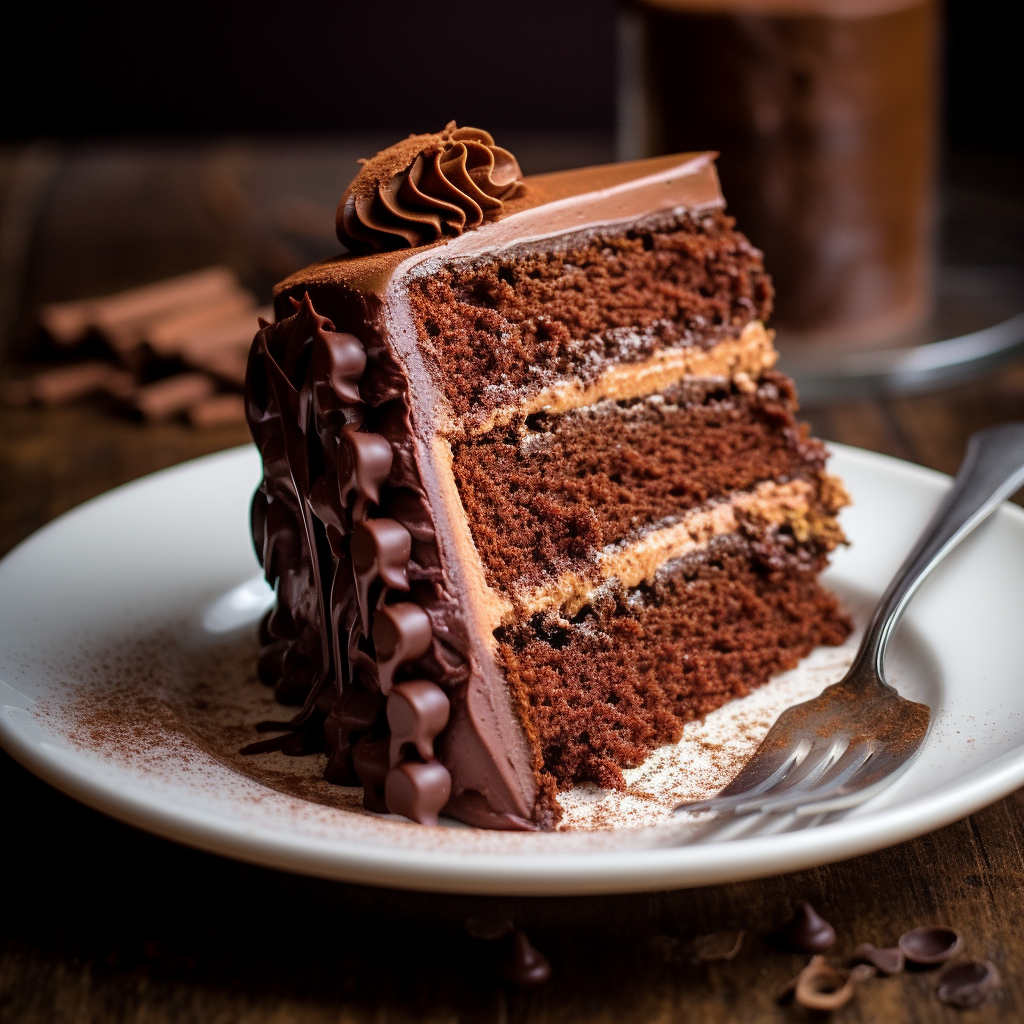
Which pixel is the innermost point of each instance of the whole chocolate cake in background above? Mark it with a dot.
(534, 496)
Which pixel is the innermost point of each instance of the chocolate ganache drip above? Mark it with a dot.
(426, 188)
(358, 589)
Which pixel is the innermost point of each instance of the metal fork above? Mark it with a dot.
(842, 747)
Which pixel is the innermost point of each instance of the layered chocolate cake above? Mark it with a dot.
(534, 496)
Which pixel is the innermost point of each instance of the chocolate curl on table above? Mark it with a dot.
(821, 987)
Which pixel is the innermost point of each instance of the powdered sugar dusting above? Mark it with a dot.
(709, 754)
(174, 707)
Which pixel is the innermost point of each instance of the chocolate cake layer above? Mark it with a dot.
(600, 691)
(496, 328)
(542, 500)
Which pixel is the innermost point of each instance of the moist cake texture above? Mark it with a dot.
(534, 496)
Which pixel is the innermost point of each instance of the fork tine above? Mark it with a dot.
(818, 761)
(876, 773)
(753, 774)
(831, 783)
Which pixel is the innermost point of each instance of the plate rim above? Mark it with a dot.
(543, 873)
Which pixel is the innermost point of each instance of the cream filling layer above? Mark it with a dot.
(741, 359)
(633, 564)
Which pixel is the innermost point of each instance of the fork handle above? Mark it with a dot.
(992, 470)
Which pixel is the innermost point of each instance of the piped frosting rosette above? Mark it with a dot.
(426, 188)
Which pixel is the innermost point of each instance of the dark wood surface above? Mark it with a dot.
(101, 922)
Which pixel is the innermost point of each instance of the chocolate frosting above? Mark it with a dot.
(426, 188)
(339, 565)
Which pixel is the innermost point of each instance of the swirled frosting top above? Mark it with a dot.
(546, 205)
(426, 188)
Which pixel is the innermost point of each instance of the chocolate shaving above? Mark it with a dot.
(888, 961)
(807, 932)
(934, 944)
(968, 983)
(717, 946)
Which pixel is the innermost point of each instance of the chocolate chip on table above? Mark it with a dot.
(967, 983)
(717, 946)
(521, 963)
(807, 932)
(933, 944)
(888, 961)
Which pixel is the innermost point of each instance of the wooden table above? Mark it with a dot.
(101, 922)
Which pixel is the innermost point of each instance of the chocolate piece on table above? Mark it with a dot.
(217, 410)
(68, 383)
(807, 932)
(968, 983)
(229, 337)
(172, 395)
(888, 961)
(934, 944)
(717, 946)
(168, 335)
(521, 963)
(227, 365)
(69, 322)
(120, 384)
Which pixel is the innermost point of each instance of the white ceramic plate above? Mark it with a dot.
(126, 680)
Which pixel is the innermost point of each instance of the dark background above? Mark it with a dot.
(143, 70)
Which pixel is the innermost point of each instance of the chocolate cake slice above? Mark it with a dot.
(534, 496)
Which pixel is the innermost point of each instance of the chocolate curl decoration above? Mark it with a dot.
(364, 462)
(381, 549)
(418, 790)
(401, 633)
(417, 712)
(426, 188)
